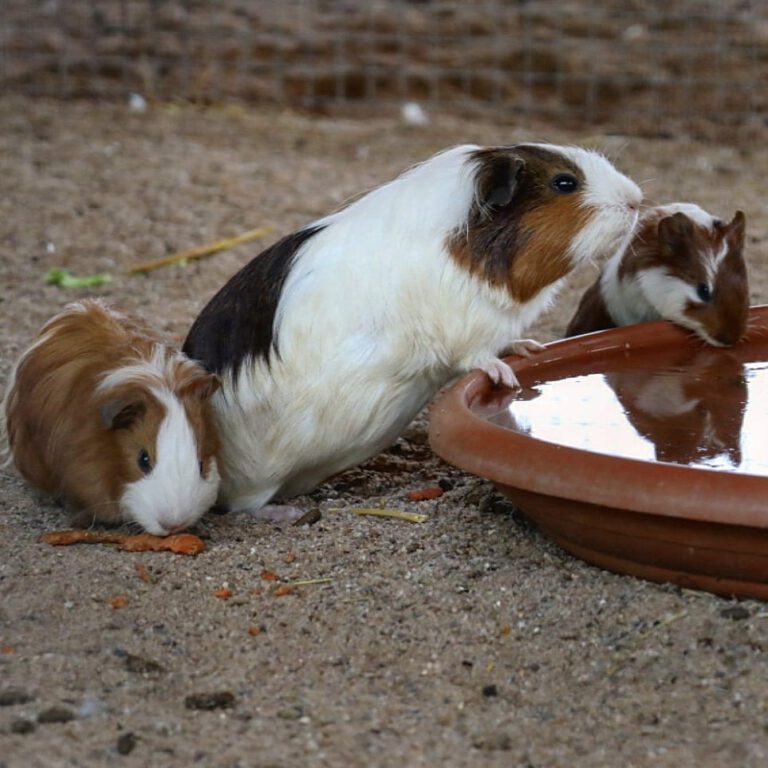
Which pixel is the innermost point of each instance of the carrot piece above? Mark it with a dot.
(269, 575)
(180, 543)
(118, 601)
(425, 494)
(143, 573)
(223, 594)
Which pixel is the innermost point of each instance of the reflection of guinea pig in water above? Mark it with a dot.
(682, 265)
(104, 415)
(329, 342)
(692, 411)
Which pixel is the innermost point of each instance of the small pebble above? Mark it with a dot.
(494, 742)
(12, 696)
(22, 726)
(126, 743)
(309, 518)
(291, 713)
(56, 714)
(141, 666)
(208, 701)
(735, 612)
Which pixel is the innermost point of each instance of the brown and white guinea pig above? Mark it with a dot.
(683, 265)
(330, 341)
(101, 413)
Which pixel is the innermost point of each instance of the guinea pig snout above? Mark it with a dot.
(168, 501)
(168, 523)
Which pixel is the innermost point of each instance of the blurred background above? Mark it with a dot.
(633, 66)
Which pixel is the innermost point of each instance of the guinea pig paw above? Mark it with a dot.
(279, 513)
(525, 347)
(500, 373)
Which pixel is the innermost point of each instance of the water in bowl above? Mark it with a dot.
(700, 407)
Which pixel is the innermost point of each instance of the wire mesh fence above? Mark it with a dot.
(626, 63)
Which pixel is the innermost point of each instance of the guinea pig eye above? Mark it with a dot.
(145, 465)
(703, 292)
(564, 183)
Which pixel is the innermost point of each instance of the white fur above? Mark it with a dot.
(174, 495)
(653, 294)
(374, 317)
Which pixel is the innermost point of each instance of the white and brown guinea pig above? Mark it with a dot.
(683, 265)
(329, 342)
(101, 413)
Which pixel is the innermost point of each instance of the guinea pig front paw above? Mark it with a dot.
(524, 347)
(279, 513)
(500, 373)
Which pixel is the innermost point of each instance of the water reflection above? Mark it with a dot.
(706, 408)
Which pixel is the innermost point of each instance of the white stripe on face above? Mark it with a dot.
(173, 495)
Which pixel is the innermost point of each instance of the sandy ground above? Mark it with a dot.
(467, 640)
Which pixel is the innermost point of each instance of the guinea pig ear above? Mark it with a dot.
(498, 180)
(121, 413)
(675, 232)
(201, 387)
(734, 231)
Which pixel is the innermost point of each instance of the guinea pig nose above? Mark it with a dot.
(170, 525)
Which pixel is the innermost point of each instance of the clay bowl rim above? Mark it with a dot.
(468, 441)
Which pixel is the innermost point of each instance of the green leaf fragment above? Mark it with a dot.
(64, 279)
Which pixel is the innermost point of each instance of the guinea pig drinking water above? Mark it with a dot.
(100, 412)
(329, 342)
(683, 265)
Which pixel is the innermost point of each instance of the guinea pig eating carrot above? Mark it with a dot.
(329, 342)
(100, 412)
(683, 265)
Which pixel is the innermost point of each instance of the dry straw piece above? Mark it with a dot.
(201, 251)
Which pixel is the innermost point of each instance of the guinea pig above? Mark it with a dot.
(683, 265)
(102, 414)
(330, 341)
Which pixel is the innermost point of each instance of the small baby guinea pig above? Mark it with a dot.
(104, 415)
(682, 265)
(329, 342)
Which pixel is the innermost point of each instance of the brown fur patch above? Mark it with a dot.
(54, 407)
(520, 245)
(681, 253)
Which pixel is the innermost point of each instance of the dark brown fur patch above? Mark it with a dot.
(238, 322)
(521, 246)
(591, 314)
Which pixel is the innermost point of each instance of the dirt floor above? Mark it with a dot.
(467, 640)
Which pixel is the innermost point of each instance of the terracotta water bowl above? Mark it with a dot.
(638, 449)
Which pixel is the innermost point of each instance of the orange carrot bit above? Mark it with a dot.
(283, 590)
(180, 543)
(435, 492)
(269, 575)
(290, 557)
(8, 650)
(143, 573)
(223, 594)
(254, 631)
(118, 601)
